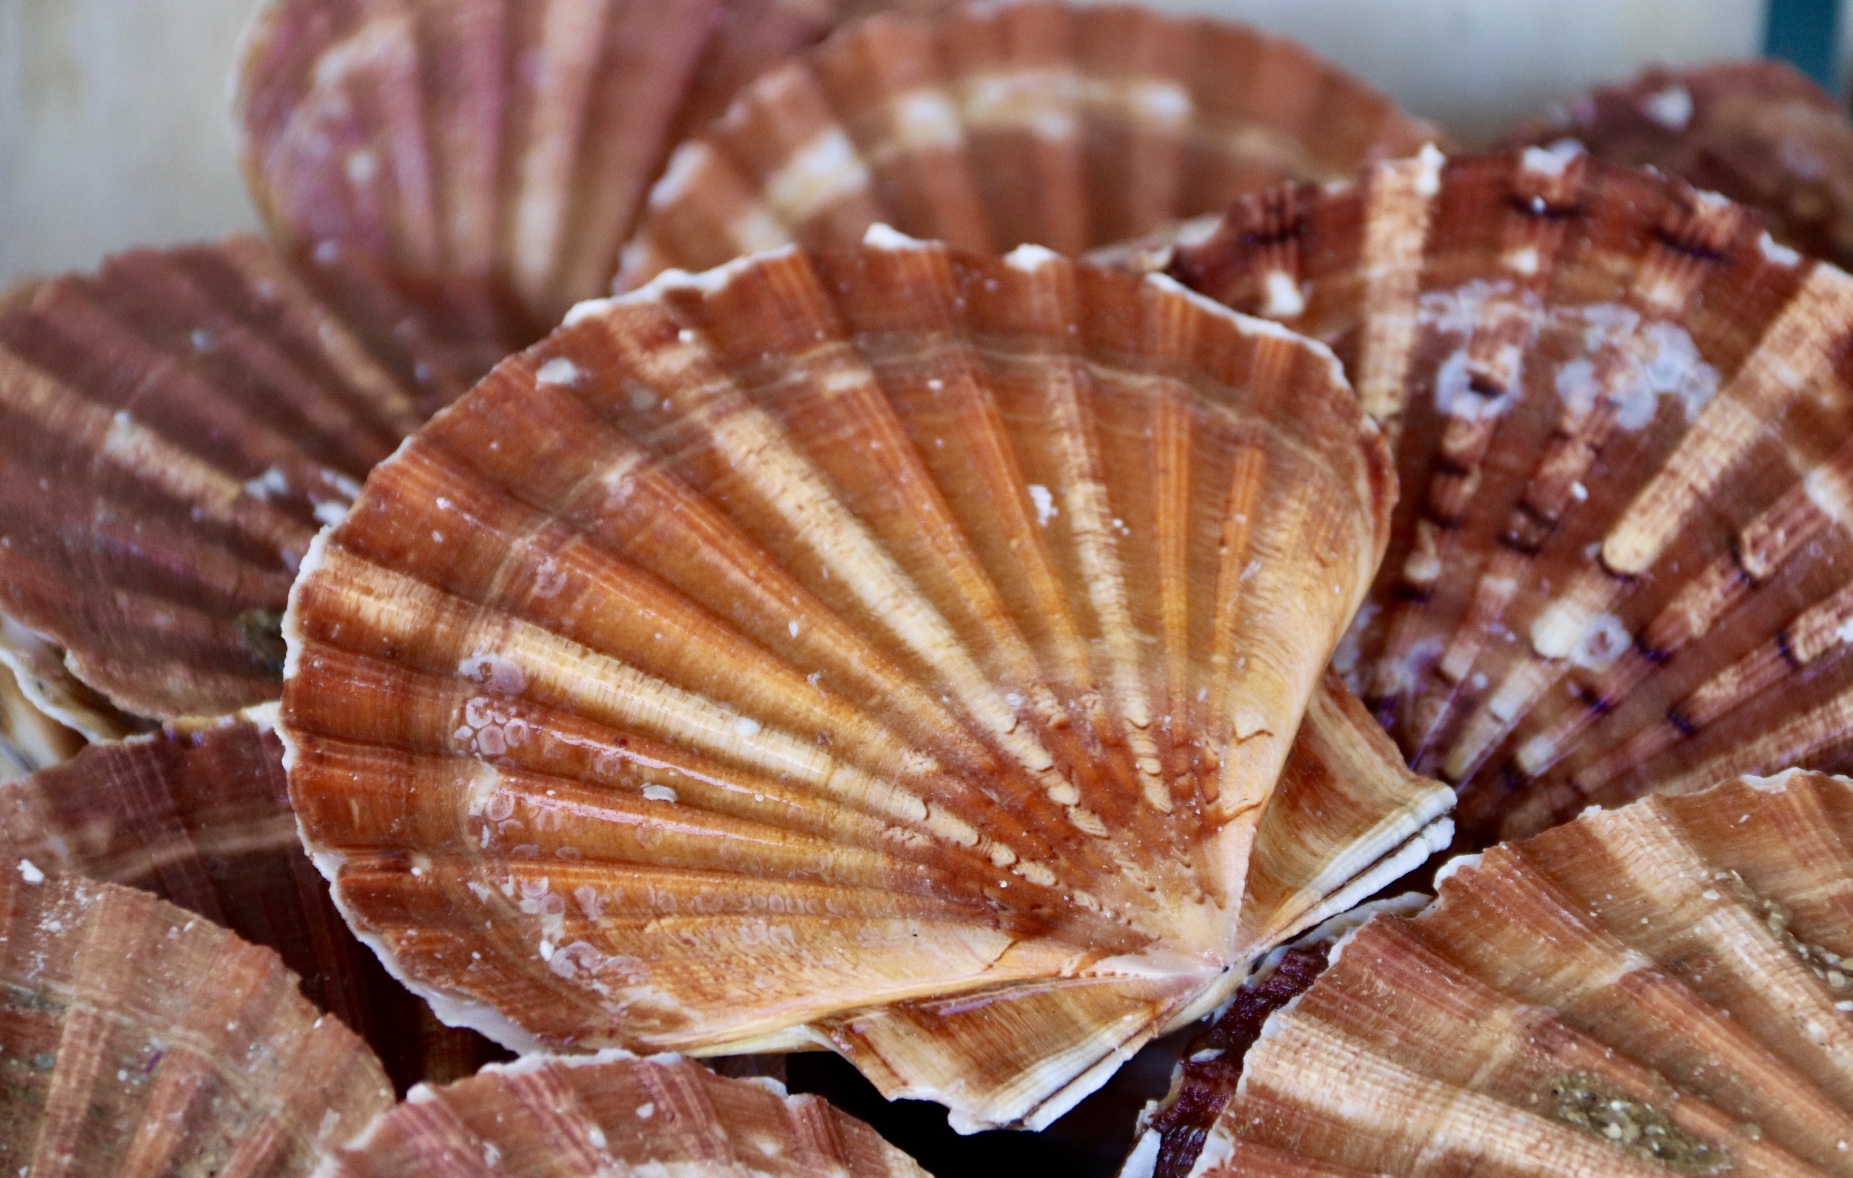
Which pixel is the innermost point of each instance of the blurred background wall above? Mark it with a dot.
(114, 128)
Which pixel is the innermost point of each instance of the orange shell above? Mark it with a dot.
(177, 427)
(203, 820)
(136, 1038)
(493, 150)
(994, 125)
(891, 651)
(1624, 429)
(1660, 988)
(1759, 132)
(611, 1113)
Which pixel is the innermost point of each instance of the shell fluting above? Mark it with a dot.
(178, 426)
(891, 650)
(203, 820)
(989, 126)
(1760, 132)
(141, 1039)
(611, 1113)
(1659, 988)
(498, 149)
(1624, 433)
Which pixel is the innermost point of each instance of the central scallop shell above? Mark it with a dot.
(890, 651)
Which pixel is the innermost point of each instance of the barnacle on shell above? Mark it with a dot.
(1623, 421)
(1657, 989)
(892, 650)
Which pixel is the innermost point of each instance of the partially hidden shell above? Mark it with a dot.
(1760, 132)
(891, 651)
(1657, 989)
(137, 1038)
(1623, 557)
(203, 820)
(29, 739)
(1060, 125)
(611, 1113)
(178, 426)
(493, 151)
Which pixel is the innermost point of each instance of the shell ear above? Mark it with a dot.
(814, 650)
(1648, 989)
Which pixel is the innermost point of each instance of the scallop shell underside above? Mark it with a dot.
(137, 1038)
(612, 1113)
(1654, 989)
(993, 125)
(1624, 430)
(203, 820)
(890, 651)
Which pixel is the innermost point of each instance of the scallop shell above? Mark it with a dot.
(136, 1038)
(495, 149)
(890, 651)
(29, 739)
(178, 426)
(1625, 432)
(203, 819)
(1061, 125)
(1759, 132)
(612, 1113)
(1654, 989)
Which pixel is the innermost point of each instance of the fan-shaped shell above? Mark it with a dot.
(891, 651)
(203, 819)
(495, 151)
(613, 1113)
(1625, 436)
(137, 1038)
(1654, 989)
(1759, 132)
(1066, 126)
(177, 427)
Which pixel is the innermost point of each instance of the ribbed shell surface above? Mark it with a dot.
(1624, 433)
(591, 1116)
(892, 651)
(993, 125)
(1652, 990)
(1759, 132)
(177, 427)
(203, 820)
(498, 149)
(137, 1038)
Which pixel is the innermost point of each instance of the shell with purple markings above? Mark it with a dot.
(1659, 988)
(203, 820)
(489, 154)
(137, 1038)
(1759, 132)
(611, 1113)
(177, 427)
(1623, 418)
(993, 125)
(891, 651)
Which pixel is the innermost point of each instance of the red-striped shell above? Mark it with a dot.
(595, 1115)
(137, 1038)
(993, 125)
(890, 651)
(1657, 989)
(1623, 559)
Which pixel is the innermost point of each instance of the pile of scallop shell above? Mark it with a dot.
(865, 624)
